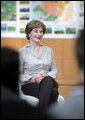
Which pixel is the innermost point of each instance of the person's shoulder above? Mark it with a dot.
(46, 47)
(22, 49)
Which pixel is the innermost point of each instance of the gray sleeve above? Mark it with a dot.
(22, 77)
(53, 70)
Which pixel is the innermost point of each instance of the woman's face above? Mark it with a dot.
(36, 35)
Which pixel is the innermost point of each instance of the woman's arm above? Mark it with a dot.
(53, 70)
(23, 77)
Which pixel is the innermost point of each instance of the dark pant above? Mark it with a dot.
(46, 91)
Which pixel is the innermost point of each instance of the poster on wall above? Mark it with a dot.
(8, 11)
(81, 15)
(63, 19)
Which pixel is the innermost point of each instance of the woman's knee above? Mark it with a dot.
(47, 80)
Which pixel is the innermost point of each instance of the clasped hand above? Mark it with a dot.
(38, 78)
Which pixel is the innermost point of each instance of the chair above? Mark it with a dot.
(61, 99)
(35, 101)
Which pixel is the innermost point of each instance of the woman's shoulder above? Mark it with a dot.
(47, 48)
(22, 49)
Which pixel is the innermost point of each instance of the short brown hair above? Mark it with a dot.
(80, 50)
(34, 24)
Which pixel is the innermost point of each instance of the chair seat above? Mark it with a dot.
(30, 99)
(35, 101)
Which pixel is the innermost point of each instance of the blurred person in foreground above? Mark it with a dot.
(73, 108)
(12, 107)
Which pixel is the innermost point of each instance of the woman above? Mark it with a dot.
(38, 66)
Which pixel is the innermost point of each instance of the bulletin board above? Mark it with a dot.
(63, 19)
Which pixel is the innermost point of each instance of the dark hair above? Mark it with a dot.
(80, 50)
(10, 69)
(34, 24)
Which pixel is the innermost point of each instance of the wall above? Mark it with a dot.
(64, 57)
